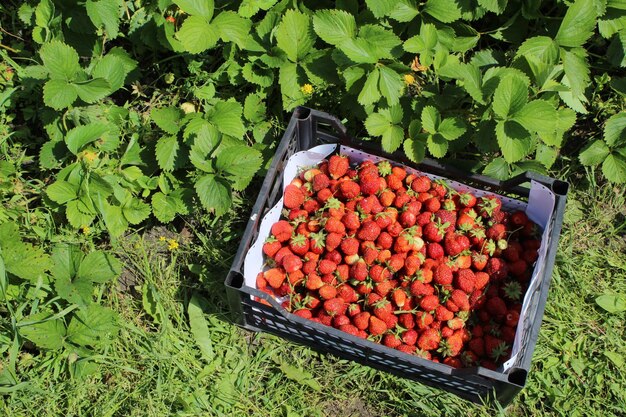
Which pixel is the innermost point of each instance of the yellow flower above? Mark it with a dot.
(172, 244)
(409, 79)
(89, 156)
(162, 238)
(85, 229)
(307, 89)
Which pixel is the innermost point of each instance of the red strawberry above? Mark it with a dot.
(433, 205)
(456, 323)
(349, 189)
(351, 221)
(496, 306)
(443, 275)
(451, 346)
(294, 197)
(271, 246)
(421, 184)
(465, 280)
(346, 292)
(362, 320)
(391, 340)
(420, 289)
(467, 199)
(518, 219)
(512, 318)
(376, 326)
(342, 320)
(477, 345)
(338, 165)
(317, 242)
(382, 308)
(434, 231)
(429, 340)
(359, 271)
(320, 181)
(494, 347)
(435, 251)
(326, 266)
(282, 230)
(407, 320)
(481, 280)
(292, 263)
(333, 241)
(460, 299)
(409, 337)
(496, 232)
(335, 306)
(479, 260)
(429, 302)
(275, 277)
(327, 292)
(369, 231)
(314, 282)
(334, 225)
(443, 314)
(299, 244)
(488, 206)
(497, 269)
(350, 246)
(305, 313)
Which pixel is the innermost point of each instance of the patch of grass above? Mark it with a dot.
(155, 368)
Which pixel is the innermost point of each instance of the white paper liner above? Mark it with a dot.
(539, 209)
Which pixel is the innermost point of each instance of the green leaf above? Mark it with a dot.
(594, 153)
(542, 48)
(248, 8)
(437, 145)
(578, 24)
(136, 211)
(391, 85)
(497, 168)
(114, 219)
(167, 118)
(59, 94)
(299, 375)
(495, 6)
(44, 12)
(48, 334)
(166, 152)
(22, 259)
(294, 35)
(199, 327)
(254, 108)
(537, 116)
(94, 326)
(577, 71)
(615, 130)
(241, 163)
(111, 68)
(226, 116)
(214, 193)
(415, 149)
(546, 155)
(232, 27)
(404, 11)
(431, 119)
(78, 137)
(510, 96)
(616, 53)
(197, 35)
(370, 93)
(452, 128)
(380, 8)
(445, 11)
(612, 303)
(392, 138)
(359, 51)
(99, 267)
(290, 80)
(334, 26)
(614, 168)
(62, 191)
(514, 140)
(202, 8)
(104, 13)
(616, 358)
(60, 60)
(164, 207)
(76, 217)
(565, 119)
(424, 42)
(92, 90)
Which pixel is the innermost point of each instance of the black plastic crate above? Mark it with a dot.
(308, 128)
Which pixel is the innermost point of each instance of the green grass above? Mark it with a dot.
(155, 368)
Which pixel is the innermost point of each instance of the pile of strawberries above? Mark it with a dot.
(401, 260)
